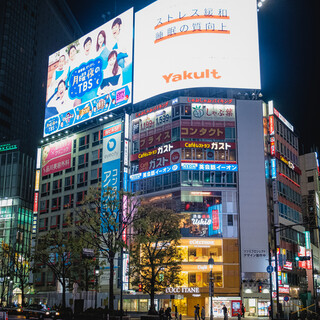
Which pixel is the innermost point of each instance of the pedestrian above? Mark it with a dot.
(175, 312)
(225, 312)
(269, 312)
(243, 310)
(161, 313)
(203, 313)
(168, 313)
(197, 312)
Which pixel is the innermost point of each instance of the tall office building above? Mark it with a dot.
(286, 229)
(29, 31)
(310, 191)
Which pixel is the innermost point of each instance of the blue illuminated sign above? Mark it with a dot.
(209, 167)
(273, 169)
(154, 173)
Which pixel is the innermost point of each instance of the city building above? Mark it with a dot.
(224, 161)
(310, 208)
(29, 30)
(287, 234)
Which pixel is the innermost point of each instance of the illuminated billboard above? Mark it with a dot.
(56, 157)
(187, 44)
(91, 76)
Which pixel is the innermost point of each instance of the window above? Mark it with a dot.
(310, 179)
(80, 197)
(83, 161)
(84, 142)
(68, 201)
(45, 189)
(82, 179)
(69, 183)
(44, 206)
(56, 186)
(56, 202)
(230, 220)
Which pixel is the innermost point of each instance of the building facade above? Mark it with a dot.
(310, 208)
(286, 228)
(29, 31)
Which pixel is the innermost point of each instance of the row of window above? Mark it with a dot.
(289, 193)
(287, 134)
(59, 203)
(186, 179)
(82, 180)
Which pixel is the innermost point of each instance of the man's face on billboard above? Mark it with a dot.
(61, 90)
(87, 47)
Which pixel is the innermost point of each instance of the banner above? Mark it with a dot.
(56, 157)
(111, 156)
(91, 76)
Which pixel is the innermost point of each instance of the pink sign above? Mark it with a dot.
(56, 157)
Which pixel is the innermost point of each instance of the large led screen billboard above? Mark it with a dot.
(187, 44)
(90, 76)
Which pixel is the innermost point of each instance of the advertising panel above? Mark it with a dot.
(182, 44)
(111, 156)
(56, 157)
(90, 76)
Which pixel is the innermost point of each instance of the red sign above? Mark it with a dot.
(56, 157)
(36, 202)
(284, 289)
(271, 125)
(215, 219)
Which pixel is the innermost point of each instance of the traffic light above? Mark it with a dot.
(259, 288)
(140, 287)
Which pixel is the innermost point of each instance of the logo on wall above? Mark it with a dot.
(111, 145)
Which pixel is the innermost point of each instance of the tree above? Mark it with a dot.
(107, 214)
(57, 251)
(14, 267)
(155, 257)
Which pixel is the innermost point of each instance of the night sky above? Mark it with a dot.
(289, 31)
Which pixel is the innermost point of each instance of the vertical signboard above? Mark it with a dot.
(111, 156)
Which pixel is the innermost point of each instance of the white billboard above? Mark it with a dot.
(91, 76)
(186, 44)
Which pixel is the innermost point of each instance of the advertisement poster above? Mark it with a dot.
(91, 76)
(56, 157)
(186, 44)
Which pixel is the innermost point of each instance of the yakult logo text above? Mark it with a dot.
(185, 75)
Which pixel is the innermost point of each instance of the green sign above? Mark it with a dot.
(7, 147)
(307, 235)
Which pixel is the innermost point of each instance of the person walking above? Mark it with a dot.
(243, 310)
(225, 312)
(175, 312)
(197, 312)
(203, 313)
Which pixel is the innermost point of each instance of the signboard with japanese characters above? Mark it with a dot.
(217, 112)
(111, 156)
(56, 157)
(90, 76)
(187, 44)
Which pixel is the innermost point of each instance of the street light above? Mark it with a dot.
(96, 273)
(211, 288)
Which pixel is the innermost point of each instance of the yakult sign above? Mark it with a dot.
(186, 44)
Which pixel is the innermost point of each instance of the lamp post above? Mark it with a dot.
(211, 287)
(96, 273)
